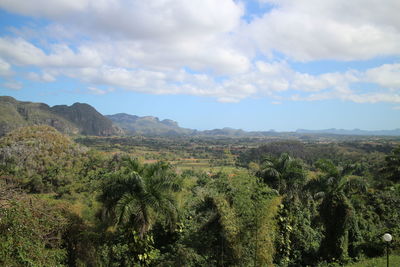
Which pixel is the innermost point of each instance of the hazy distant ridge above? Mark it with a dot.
(395, 132)
(152, 126)
(148, 125)
(81, 118)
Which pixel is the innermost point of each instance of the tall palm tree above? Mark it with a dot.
(137, 195)
(284, 174)
(334, 188)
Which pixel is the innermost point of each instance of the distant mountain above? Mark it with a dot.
(75, 119)
(148, 125)
(395, 132)
(224, 131)
(88, 120)
(84, 119)
(15, 114)
(231, 132)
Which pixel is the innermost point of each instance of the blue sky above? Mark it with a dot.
(254, 65)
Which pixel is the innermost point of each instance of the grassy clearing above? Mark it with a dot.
(394, 261)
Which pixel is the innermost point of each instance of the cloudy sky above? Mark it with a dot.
(255, 64)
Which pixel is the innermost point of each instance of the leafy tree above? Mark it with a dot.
(299, 233)
(392, 165)
(298, 237)
(30, 230)
(124, 247)
(234, 215)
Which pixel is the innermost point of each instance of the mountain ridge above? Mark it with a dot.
(356, 131)
(75, 119)
(82, 118)
(147, 125)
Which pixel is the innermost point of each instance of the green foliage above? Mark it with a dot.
(235, 216)
(182, 255)
(370, 153)
(110, 209)
(299, 235)
(30, 231)
(284, 174)
(125, 247)
(336, 235)
(341, 235)
(378, 214)
(392, 165)
(40, 158)
(81, 242)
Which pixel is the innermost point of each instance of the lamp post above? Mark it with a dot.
(387, 238)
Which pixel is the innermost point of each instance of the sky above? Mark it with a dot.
(253, 65)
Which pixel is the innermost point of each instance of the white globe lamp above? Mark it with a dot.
(387, 238)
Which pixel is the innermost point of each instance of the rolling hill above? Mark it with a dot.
(76, 119)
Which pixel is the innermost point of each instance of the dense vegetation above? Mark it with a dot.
(135, 201)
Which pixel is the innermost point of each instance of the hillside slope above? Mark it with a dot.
(75, 119)
(88, 120)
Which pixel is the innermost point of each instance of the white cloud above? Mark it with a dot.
(166, 20)
(211, 55)
(14, 85)
(262, 78)
(50, 9)
(387, 75)
(5, 69)
(350, 96)
(98, 91)
(203, 48)
(154, 33)
(373, 98)
(329, 29)
(273, 80)
(21, 52)
(43, 77)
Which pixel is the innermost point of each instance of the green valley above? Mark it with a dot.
(195, 201)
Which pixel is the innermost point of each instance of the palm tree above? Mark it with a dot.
(334, 187)
(284, 174)
(137, 195)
